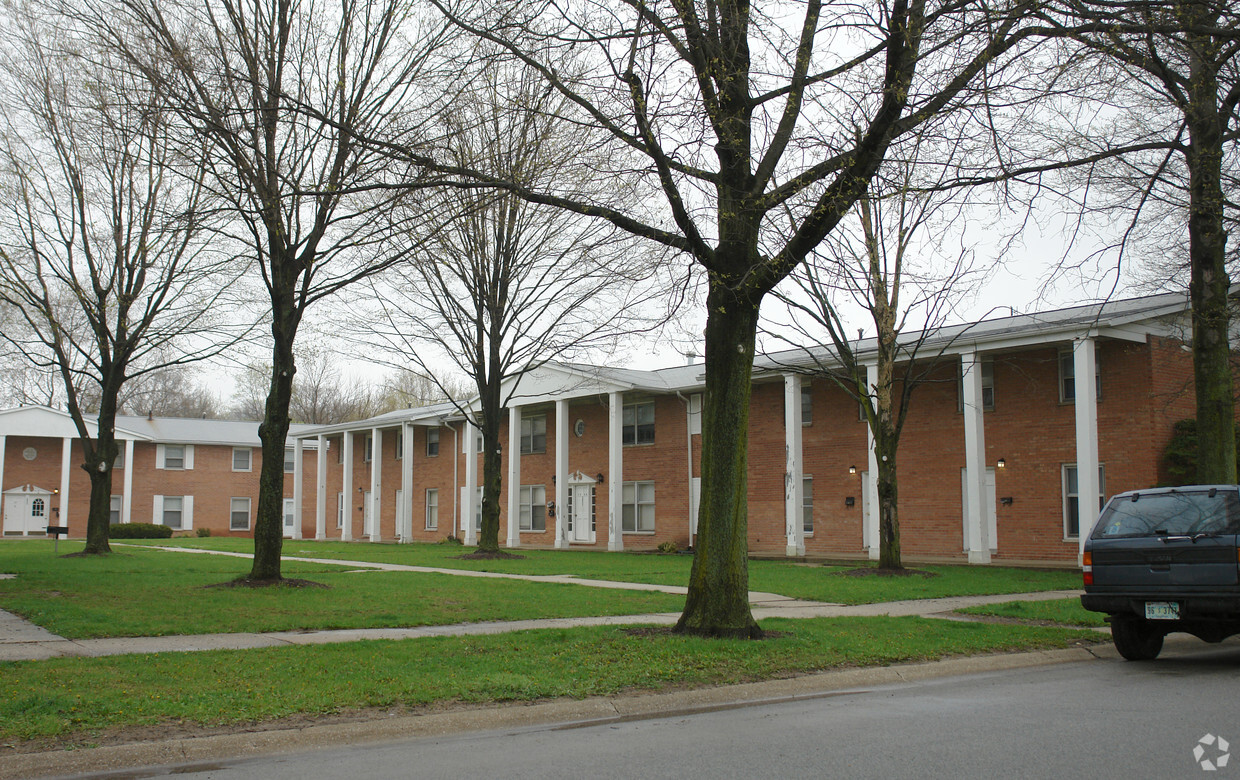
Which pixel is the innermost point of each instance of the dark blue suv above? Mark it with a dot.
(1164, 560)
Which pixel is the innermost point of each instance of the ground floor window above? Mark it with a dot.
(638, 507)
(533, 508)
(1072, 503)
(432, 509)
(290, 518)
(239, 515)
(114, 510)
(173, 514)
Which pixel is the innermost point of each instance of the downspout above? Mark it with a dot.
(689, 457)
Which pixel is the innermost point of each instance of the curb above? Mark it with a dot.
(560, 714)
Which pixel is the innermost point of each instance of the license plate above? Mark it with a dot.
(1162, 610)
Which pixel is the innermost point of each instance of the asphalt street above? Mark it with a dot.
(1099, 719)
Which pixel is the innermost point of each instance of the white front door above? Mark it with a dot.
(368, 514)
(26, 514)
(581, 513)
(288, 518)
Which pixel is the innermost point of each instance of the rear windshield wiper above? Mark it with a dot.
(1164, 537)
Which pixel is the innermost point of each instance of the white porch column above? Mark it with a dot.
(514, 476)
(977, 544)
(615, 471)
(376, 484)
(346, 487)
(320, 490)
(871, 534)
(405, 511)
(65, 467)
(299, 486)
(1087, 488)
(470, 505)
(126, 491)
(561, 473)
(794, 486)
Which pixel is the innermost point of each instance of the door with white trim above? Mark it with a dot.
(27, 512)
(581, 513)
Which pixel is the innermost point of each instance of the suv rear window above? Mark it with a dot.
(1195, 512)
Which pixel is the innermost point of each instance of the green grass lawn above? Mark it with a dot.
(813, 582)
(137, 592)
(1068, 612)
(73, 701)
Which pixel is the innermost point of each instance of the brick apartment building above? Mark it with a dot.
(995, 457)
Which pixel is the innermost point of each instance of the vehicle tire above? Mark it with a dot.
(1136, 639)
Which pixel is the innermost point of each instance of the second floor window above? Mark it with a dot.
(534, 434)
(637, 424)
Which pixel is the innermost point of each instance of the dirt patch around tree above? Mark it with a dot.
(662, 631)
(498, 555)
(875, 572)
(285, 582)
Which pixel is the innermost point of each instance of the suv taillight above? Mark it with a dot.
(1087, 566)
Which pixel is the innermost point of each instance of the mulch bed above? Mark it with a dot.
(661, 631)
(287, 582)
(873, 572)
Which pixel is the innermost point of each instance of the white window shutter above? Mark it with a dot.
(157, 516)
(189, 457)
(187, 512)
(159, 458)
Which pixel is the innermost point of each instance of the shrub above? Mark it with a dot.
(203, 533)
(139, 531)
(668, 547)
(451, 540)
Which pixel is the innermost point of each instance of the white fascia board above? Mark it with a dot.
(554, 382)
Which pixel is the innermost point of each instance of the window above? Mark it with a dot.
(290, 461)
(174, 456)
(432, 509)
(290, 515)
(400, 445)
(339, 451)
(638, 507)
(1072, 503)
(38, 508)
(695, 413)
(370, 445)
(534, 434)
(114, 510)
(988, 387)
(807, 403)
(1067, 377)
(119, 463)
(533, 508)
(807, 505)
(432, 442)
(241, 458)
(173, 511)
(239, 515)
(637, 424)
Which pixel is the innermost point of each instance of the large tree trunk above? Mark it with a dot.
(273, 433)
(1209, 282)
(888, 519)
(98, 463)
(492, 466)
(718, 600)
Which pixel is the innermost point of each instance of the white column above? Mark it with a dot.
(1087, 488)
(514, 476)
(320, 490)
(871, 534)
(65, 468)
(126, 491)
(299, 486)
(470, 505)
(376, 484)
(561, 473)
(615, 471)
(405, 512)
(794, 486)
(978, 543)
(346, 486)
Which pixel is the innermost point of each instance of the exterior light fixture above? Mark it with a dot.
(1001, 463)
(852, 469)
(599, 478)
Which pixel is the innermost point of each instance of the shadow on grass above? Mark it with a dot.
(283, 582)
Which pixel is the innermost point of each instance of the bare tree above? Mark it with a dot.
(890, 260)
(757, 130)
(508, 285)
(101, 250)
(406, 389)
(279, 93)
(1182, 61)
